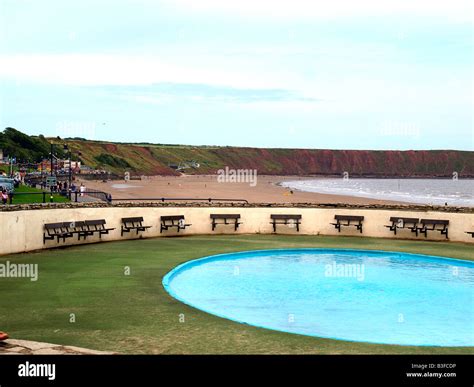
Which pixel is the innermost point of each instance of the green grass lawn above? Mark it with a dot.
(24, 198)
(134, 314)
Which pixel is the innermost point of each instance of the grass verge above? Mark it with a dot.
(134, 314)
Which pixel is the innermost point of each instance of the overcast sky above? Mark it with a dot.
(360, 74)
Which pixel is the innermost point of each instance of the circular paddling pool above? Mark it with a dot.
(357, 295)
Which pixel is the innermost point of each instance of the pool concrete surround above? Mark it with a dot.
(22, 225)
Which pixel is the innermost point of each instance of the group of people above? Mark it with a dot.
(17, 177)
(63, 187)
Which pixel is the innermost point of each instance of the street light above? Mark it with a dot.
(51, 154)
(66, 148)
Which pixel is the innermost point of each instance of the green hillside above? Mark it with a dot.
(156, 159)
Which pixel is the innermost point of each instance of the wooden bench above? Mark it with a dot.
(289, 220)
(56, 230)
(227, 219)
(77, 227)
(130, 224)
(434, 225)
(97, 226)
(348, 220)
(470, 232)
(399, 222)
(170, 221)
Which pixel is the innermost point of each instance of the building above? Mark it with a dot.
(76, 165)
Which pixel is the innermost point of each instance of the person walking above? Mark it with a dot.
(4, 196)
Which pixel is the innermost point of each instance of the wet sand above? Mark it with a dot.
(266, 190)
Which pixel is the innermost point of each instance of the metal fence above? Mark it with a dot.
(210, 200)
(49, 197)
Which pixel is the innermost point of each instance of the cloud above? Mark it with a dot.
(163, 93)
(454, 11)
(97, 69)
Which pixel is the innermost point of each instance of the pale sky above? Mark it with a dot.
(310, 74)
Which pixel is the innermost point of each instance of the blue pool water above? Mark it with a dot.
(356, 295)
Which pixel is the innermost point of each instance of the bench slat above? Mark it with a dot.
(95, 222)
(434, 221)
(285, 216)
(172, 217)
(348, 217)
(405, 220)
(52, 226)
(225, 216)
(132, 220)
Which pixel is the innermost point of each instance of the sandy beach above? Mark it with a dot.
(266, 190)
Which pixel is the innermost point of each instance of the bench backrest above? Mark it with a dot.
(95, 222)
(137, 219)
(74, 225)
(349, 217)
(397, 219)
(225, 216)
(434, 221)
(285, 216)
(53, 226)
(172, 217)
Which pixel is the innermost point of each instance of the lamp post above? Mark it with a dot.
(69, 150)
(51, 155)
(42, 172)
(66, 148)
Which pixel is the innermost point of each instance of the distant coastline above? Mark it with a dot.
(431, 191)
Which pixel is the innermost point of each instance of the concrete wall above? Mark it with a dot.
(22, 230)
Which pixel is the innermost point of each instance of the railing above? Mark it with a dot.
(101, 195)
(48, 197)
(210, 200)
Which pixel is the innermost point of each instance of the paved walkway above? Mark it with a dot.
(24, 347)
